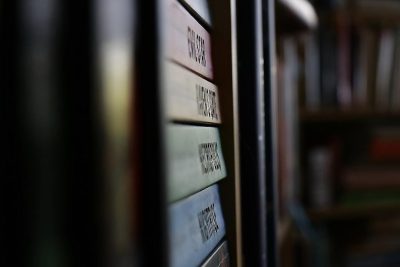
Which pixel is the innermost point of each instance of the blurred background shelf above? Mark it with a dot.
(381, 11)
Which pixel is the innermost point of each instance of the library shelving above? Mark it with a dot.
(344, 75)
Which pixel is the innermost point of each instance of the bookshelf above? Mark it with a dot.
(347, 121)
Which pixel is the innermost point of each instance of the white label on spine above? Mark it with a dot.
(188, 43)
(190, 97)
(196, 227)
(195, 159)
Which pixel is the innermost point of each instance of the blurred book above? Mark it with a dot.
(344, 90)
(384, 69)
(385, 145)
(364, 68)
(329, 52)
(320, 165)
(312, 73)
(395, 82)
(287, 122)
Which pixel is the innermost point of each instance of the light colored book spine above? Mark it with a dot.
(361, 69)
(190, 97)
(195, 159)
(385, 61)
(320, 163)
(220, 257)
(313, 98)
(395, 90)
(201, 8)
(187, 42)
(196, 227)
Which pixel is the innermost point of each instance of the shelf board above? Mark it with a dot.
(349, 115)
(343, 213)
(295, 16)
(381, 11)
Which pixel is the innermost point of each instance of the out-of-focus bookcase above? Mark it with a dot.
(346, 118)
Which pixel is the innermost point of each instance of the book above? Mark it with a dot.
(287, 121)
(195, 159)
(39, 138)
(395, 85)
(196, 227)
(344, 92)
(220, 257)
(187, 42)
(320, 160)
(114, 52)
(190, 97)
(312, 75)
(201, 8)
(328, 67)
(385, 145)
(362, 65)
(384, 67)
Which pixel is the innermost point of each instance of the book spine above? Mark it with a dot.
(196, 227)
(385, 61)
(196, 159)
(329, 75)
(220, 257)
(320, 166)
(200, 7)
(361, 68)
(187, 42)
(189, 97)
(312, 67)
(344, 94)
(114, 33)
(395, 87)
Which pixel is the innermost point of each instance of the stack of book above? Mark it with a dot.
(194, 153)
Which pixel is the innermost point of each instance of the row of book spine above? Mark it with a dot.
(348, 66)
(195, 162)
